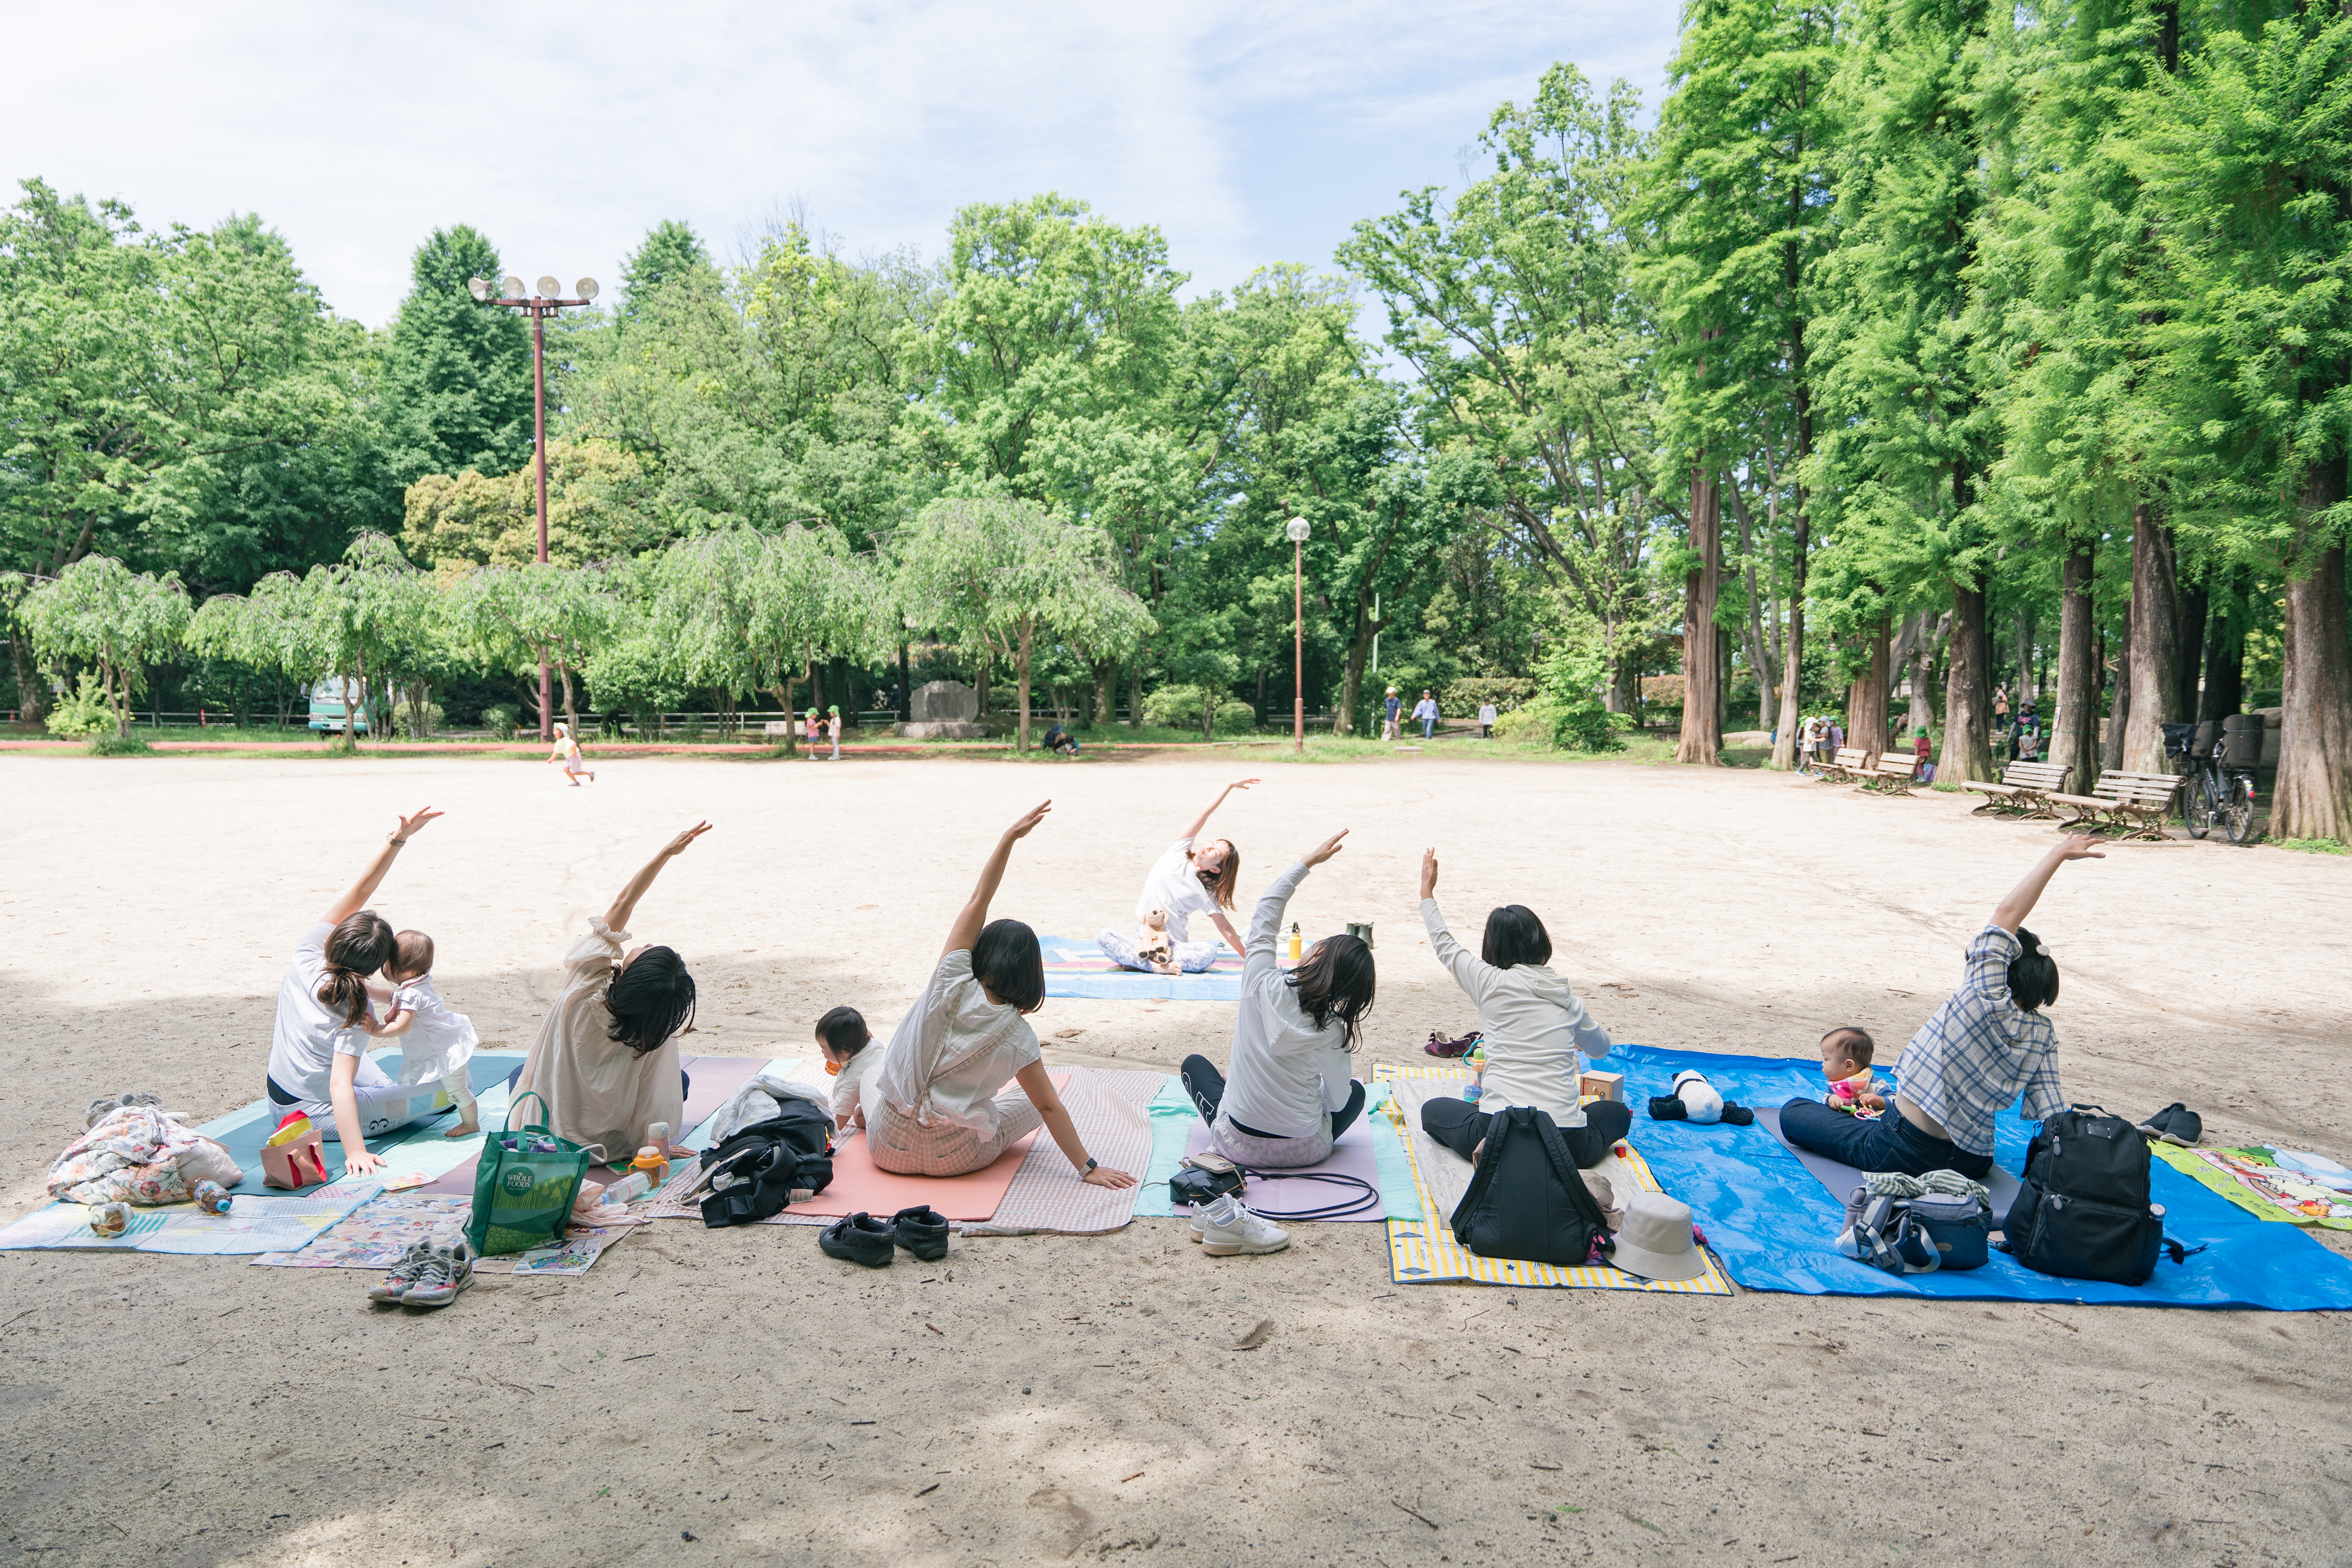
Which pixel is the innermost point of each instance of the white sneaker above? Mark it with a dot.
(403, 1272)
(1238, 1231)
(447, 1270)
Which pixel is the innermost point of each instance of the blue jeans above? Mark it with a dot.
(1427, 726)
(1888, 1144)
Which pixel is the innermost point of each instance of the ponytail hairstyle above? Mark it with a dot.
(357, 948)
(1222, 881)
(1335, 981)
(2033, 974)
(651, 999)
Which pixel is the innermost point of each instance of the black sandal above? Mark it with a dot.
(859, 1238)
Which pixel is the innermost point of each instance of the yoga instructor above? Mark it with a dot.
(1185, 882)
(1988, 1040)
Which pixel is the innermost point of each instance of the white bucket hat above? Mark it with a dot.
(1657, 1242)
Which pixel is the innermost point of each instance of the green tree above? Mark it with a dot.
(457, 371)
(670, 252)
(100, 611)
(518, 617)
(597, 511)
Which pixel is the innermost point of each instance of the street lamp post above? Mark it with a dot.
(539, 307)
(1298, 531)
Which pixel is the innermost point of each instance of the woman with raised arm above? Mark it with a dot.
(1182, 882)
(1988, 1040)
(1534, 1029)
(938, 1104)
(317, 1053)
(606, 1057)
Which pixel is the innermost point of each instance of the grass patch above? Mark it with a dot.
(2316, 846)
(120, 745)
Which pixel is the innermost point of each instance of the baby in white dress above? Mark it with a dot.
(437, 1043)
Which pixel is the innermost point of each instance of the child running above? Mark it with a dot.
(567, 751)
(843, 1036)
(437, 1043)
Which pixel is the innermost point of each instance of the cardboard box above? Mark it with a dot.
(1604, 1086)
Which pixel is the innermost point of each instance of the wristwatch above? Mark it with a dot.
(394, 840)
(1087, 1169)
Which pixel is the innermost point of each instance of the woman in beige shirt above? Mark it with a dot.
(606, 1057)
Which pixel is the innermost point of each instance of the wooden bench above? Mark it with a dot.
(1893, 773)
(1851, 763)
(2025, 788)
(2135, 802)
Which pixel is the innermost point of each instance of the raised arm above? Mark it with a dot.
(355, 897)
(617, 918)
(1201, 821)
(966, 929)
(1266, 921)
(2013, 909)
(1469, 971)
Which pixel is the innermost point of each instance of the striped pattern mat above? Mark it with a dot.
(1423, 1252)
(1111, 1111)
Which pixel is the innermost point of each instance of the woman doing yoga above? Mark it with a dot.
(1534, 1028)
(935, 1106)
(606, 1057)
(1185, 882)
(318, 1054)
(1988, 1040)
(1292, 1092)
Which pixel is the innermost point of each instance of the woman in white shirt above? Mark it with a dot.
(935, 1106)
(318, 1052)
(1534, 1028)
(1292, 1089)
(1185, 882)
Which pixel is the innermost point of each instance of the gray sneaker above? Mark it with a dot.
(449, 1269)
(402, 1277)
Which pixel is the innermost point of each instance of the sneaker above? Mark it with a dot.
(398, 1282)
(1228, 1229)
(446, 1270)
(2155, 1125)
(859, 1238)
(921, 1230)
(2184, 1127)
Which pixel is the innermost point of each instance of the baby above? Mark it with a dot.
(1153, 945)
(436, 1043)
(1846, 1051)
(843, 1036)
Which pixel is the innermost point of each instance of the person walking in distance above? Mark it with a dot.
(1426, 710)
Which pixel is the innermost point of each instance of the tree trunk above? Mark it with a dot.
(1702, 737)
(1754, 627)
(2111, 748)
(1784, 739)
(2195, 608)
(571, 709)
(1866, 699)
(1106, 692)
(906, 687)
(1021, 674)
(1967, 695)
(348, 703)
(2154, 647)
(2312, 796)
(2027, 691)
(1351, 679)
(2225, 654)
(1135, 692)
(2075, 732)
(32, 697)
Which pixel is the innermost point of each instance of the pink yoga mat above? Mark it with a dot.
(1351, 1156)
(860, 1186)
(714, 1079)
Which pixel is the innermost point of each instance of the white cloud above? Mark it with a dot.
(1249, 132)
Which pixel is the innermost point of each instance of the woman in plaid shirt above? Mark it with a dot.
(1989, 1040)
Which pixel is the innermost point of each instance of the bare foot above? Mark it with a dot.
(463, 1130)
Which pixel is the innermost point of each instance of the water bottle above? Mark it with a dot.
(1477, 1084)
(1296, 943)
(212, 1198)
(630, 1187)
(650, 1160)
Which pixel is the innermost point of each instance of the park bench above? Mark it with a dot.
(1851, 762)
(2135, 802)
(1893, 773)
(2025, 788)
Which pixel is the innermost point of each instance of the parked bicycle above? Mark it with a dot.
(2223, 755)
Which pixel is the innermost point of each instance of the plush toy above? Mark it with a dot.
(1153, 945)
(1696, 1099)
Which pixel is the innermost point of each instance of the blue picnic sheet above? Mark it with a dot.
(1076, 967)
(1774, 1225)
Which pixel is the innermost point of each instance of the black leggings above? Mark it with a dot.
(1462, 1127)
(1206, 1086)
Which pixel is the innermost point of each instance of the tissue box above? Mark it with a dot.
(1603, 1086)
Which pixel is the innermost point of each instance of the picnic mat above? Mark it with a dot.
(376, 1233)
(1076, 967)
(1842, 1179)
(251, 1225)
(1424, 1252)
(2252, 1180)
(1368, 1151)
(244, 1130)
(1775, 1227)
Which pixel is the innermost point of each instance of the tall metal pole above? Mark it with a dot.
(1297, 647)
(538, 441)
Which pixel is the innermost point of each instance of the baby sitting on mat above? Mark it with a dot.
(1846, 1051)
(436, 1043)
(843, 1036)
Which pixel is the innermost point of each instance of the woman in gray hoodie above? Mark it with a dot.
(1534, 1028)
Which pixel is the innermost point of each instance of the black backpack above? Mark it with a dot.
(763, 1167)
(2082, 1210)
(1527, 1200)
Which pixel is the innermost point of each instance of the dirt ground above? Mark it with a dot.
(200, 1411)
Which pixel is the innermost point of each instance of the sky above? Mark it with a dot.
(1249, 130)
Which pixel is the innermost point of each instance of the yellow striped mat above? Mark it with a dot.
(1423, 1251)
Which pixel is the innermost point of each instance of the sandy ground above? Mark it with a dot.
(736, 1398)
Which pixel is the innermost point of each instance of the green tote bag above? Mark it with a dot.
(524, 1186)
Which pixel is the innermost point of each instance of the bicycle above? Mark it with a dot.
(2220, 793)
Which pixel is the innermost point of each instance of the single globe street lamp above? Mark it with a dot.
(544, 302)
(1298, 530)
